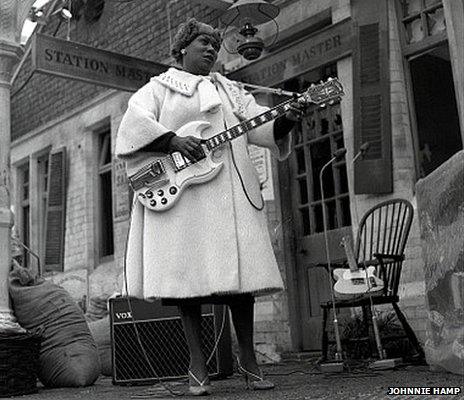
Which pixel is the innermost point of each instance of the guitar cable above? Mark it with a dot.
(137, 333)
(259, 208)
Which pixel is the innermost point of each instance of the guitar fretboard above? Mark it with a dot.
(247, 125)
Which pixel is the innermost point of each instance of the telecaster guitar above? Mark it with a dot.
(158, 180)
(355, 281)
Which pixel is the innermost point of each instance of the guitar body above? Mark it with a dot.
(161, 190)
(353, 283)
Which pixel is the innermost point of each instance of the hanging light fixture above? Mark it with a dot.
(241, 20)
(63, 13)
(35, 14)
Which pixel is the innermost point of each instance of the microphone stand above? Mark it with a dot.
(277, 91)
(32, 253)
(338, 365)
(383, 362)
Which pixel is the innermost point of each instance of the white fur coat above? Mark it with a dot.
(212, 241)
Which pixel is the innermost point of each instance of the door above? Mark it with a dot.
(317, 137)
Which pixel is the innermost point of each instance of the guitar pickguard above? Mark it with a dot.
(356, 283)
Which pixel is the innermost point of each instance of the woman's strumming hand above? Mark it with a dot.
(188, 146)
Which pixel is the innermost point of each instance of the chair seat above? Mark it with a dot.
(361, 301)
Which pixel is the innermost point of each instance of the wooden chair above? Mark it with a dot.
(381, 239)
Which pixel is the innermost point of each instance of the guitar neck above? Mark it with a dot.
(244, 127)
(350, 255)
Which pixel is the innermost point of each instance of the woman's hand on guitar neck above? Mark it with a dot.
(188, 146)
(296, 111)
(286, 122)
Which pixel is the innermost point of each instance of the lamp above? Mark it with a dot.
(64, 13)
(35, 14)
(241, 19)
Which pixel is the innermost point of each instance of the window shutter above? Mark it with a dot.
(56, 211)
(371, 99)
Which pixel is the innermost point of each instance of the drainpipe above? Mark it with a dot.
(9, 56)
(13, 14)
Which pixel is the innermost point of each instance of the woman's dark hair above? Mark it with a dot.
(187, 33)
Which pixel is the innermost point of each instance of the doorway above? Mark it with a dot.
(438, 132)
(317, 137)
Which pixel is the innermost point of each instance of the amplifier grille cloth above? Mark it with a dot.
(164, 343)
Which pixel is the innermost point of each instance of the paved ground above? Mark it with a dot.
(294, 381)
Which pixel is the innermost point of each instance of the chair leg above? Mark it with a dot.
(325, 339)
(409, 332)
(366, 320)
(369, 328)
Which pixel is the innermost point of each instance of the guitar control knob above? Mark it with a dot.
(173, 190)
(142, 195)
(160, 193)
(153, 203)
(149, 194)
(164, 200)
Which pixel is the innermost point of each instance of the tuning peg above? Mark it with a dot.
(331, 102)
(323, 105)
(312, 85)
(329, 79)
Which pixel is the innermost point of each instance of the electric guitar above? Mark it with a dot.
(355, 281)
(158, 181)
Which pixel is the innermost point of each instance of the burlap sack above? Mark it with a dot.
(68, 354)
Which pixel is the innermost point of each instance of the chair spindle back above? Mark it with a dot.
(384, 229)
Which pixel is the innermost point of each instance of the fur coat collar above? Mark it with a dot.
(186, 83)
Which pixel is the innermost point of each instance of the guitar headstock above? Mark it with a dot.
(345, 242)
(347, 245)
(324, 92)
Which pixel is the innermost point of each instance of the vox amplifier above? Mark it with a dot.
(148, 342)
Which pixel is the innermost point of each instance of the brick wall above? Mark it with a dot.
(272, 329)
(76, 205)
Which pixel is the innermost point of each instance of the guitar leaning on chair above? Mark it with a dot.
(158, 181)
(355, 281)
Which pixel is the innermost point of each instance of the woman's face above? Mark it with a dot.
(200, 55)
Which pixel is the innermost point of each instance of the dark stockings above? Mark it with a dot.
(191, 321)
(243, 318)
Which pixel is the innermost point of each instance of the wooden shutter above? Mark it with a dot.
(55, 211)
(371, 98)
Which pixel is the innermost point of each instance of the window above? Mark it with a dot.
(40, 201)
(423, 23)
(434, 110)
(317, 137)
(105, 194)
(24, 204)
(437, 122)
